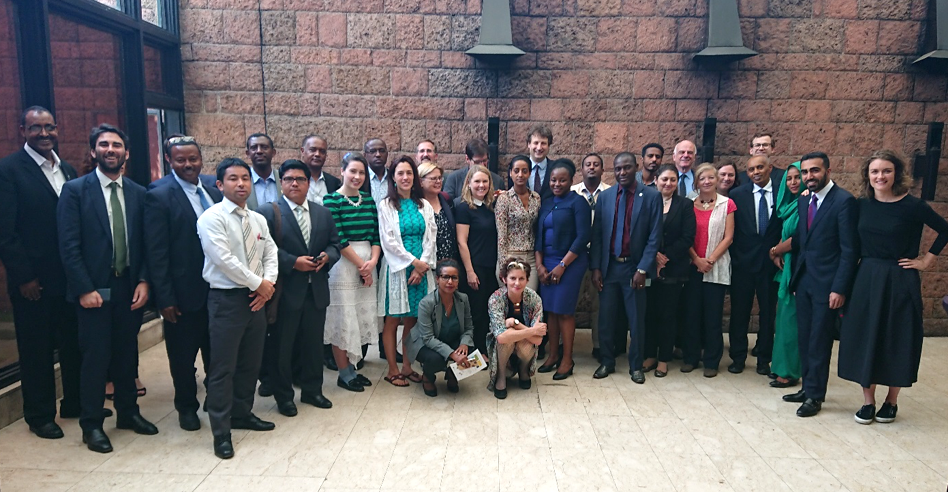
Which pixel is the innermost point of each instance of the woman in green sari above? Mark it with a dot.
(786, 354)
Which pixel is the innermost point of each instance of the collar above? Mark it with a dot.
(581, 187)
(105, 181)
(293, 204)
(769, 187)
(477, 202)
(686, 173)
(230, 206)
(372, 174)
(822, 193)
(542, 164)
(630, 190)
(40, 160)
(255, 178)
(186, 186)
(322, 177)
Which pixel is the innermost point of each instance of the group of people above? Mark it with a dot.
(272, 274)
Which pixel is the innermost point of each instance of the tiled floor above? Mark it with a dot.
(683, 432)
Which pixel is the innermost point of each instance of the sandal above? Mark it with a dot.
(398, 377)
(413, 377)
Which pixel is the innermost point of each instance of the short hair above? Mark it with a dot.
(433, 145)
(625, 155)
(186, 140)
(901, 183)
(765, 133)
(291, 164)
(817, 155)
(227, 163)
(260, 135)
(704, 166)
(468, 197)
(475, 147)
(541, 131)
(514, 263)
(518, 158)
(365, 146)
(416, 195)
(592, 154)
(351, 157)
(737, 175)
(305, 139)
(446, 263)
(428, 167)
(106, 128)
(653, 145)
(31, 109)
(563, 163)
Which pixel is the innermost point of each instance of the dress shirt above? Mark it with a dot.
(379, 185)
(317, 190)
(225, 256)
(190, 191)
(538, 167)
(293, 207)
(626, 245)
(820, 195)
(52, 170)
(770, 201)
(265, 189)
(104, 182)
(591, 197)
(688, 179)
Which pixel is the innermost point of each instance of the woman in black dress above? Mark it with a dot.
(881, 337)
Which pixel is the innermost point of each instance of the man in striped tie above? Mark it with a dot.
(240, 266)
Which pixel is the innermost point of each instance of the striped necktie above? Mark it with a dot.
(304, 224)
(250, 242)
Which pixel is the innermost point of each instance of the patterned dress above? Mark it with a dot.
(447, 243)
(497, 308)
(412, 225)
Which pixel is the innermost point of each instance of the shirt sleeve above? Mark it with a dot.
(938, 224)
(731, 206)
(212, 229)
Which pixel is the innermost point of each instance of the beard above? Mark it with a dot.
(100, 161)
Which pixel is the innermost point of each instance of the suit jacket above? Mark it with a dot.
(332, 183)
(29, 239)
(678, 234)
(454, 182)
(85, 236)
(828, 250)
(175, 257)
(571, 224)
(430, 319)
(323, 237)
(750, 251)
(645, 229)
(252, 203)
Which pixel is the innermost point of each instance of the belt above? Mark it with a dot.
(116, 274)
(621, 259)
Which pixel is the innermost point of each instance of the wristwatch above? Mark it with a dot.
(639, 270)
(562, 264)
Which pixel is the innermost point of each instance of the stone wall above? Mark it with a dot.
(605, 75)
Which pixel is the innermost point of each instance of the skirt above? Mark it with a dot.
(881, 338)
(561, 298)
(351, 320)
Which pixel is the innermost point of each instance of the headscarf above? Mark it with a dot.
(786, 209)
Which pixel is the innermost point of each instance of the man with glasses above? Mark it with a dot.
(313, 153)
(762, 143)
(476, 155)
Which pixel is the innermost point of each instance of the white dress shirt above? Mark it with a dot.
(265, 189)
(580, 189)
(379, 185)
(104, 182)
(820, 195)
(305, 215)
(225, 256)
(317, 190)
(538, 167)
(768, 192)
(52, 170)
(190, 191)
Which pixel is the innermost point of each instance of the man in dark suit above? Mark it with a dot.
(539, 141)
(476, 154)
(826, 246)
(308, 247)
(30, 183)
(756, 229)
(626, 231)
(175, 261)
(102, 245)
(313, 153)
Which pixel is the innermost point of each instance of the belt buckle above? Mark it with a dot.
(622, 259)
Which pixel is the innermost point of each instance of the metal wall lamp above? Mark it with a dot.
(937, 59)
(495, 45)
(725, 44)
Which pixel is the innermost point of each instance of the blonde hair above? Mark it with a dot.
(705, 166)
(468, 197)
(427, 167)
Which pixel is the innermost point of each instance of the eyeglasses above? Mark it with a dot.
(298, 180)
(449, 278)
(180, 140)
(39, 128)
(434, 178)
(480, 162)
(762, 145)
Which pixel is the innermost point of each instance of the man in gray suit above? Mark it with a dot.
(260, 153)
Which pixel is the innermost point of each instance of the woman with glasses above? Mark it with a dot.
(477, 242)
(432, 177)
(445, 330)
(516, 213)
(351, 319)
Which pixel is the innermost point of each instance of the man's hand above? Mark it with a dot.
(320, 261)
(140, 297)
(170, 314)
(31, 290)
(305, 264)
(90, 300)
(597, 279)
(836, 301)
(638, 280)
(265, 290)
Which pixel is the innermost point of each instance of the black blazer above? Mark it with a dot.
(448, 207)
(85, 237)
(571, 224)
(175, 258)
(29, 239)
(828, 251)
(333, 183)
(678, 234)
(323, 237)
(750, 251)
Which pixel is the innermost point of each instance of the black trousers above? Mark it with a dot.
(661, 319)
(183, 340)
(41, 327)
(108, 341)
(815, 329)
(431, 362)
(479, 298)
(703, 331)
(300, 332)
(744, 287)
(237, 336)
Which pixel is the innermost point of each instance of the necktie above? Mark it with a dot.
(537, 180)
(591, 198)
(682, 189)
(763, 213)
(250, 242)
(119, 248)
(811, 211)
(620, 224)
(304, 225)
(201, 196)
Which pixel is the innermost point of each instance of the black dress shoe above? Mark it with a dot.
(433, 392)
(500, 394)
(604, 371)
(317, 400)
(49, 430)
(754, 351)
(364, 381)
(789, 384)
(331, 364)
(559, 376)
(97, 441)
(763, 369)
(351, 385)
(251, 422)
(265, 390)
(798, 397)
(735, 367)
(189, 421)
(548, 368)
(287, 408)
(136, 423)
(772, 375)
(809, 408)
(223, 448)
(638, 377)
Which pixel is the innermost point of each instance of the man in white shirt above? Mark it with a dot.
(684, 156)
(376, 183)
(313, 153)
(426, 151)
(241, 267)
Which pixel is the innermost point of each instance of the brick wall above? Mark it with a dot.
(606, 75)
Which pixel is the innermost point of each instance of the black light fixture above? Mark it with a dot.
(725, 44)
(937, 59)
(495, 45)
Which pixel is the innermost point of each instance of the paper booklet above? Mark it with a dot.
(475, 364)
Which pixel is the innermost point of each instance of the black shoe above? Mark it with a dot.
(526, 384)
(809, 408)
(265, 390)
(735, 367)
(798, 397)
(360, 364)
(886, 413)
(107, 412)
(791, 382)
(97, 441)
(189, 421)
(686, 368)
(364, 381)
(500, 394)
(251, 422)
(604, 371)
(677, 354)
(772, 375)
(223, 448)
(548, 368)
(763, 369)
(351, 385)
(287, 408)
(433, 392)
(49, 430)
(638, 377)
(754, 351)
(710, 373)
(136, 423)
(331, 364)
(559, 376)
(317, 400)
(866, 414)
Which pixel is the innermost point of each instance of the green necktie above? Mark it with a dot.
(119, 248)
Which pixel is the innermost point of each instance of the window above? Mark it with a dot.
(154, 76)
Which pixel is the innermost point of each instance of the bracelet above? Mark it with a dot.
(773, 251)
(562, 264)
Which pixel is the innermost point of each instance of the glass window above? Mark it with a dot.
(87, 85)
(10, 142)
(155, 159)
(153, 11)
(110, 3)
(154, 80)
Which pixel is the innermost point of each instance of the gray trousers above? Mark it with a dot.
(237, 335)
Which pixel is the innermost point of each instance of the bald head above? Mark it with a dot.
(758, 170)
(684, 155)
